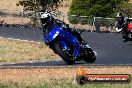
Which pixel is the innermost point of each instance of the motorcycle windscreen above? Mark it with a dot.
(53, 33)
(71, 40)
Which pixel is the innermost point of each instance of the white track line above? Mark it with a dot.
(19, 40)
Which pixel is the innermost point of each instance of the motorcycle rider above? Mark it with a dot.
(47, 21)
(121, 25)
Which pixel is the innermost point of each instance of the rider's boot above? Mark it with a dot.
(125, 37)
(124, 40)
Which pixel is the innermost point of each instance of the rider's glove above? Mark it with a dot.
(118, 29)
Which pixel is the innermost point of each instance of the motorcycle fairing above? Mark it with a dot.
(57, 31)
(63, 43)
(53, 33)
(71, 40)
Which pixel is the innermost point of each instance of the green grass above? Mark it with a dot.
(64, 84)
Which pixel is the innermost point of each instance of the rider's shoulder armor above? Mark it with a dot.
(126, 19)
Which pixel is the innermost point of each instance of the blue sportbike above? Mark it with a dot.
(62, 41)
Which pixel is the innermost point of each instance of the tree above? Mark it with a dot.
(35, 5)
(126, 8)
(98, 8)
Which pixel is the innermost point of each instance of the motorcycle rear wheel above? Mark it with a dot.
(68, 59)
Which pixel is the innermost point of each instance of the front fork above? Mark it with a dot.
(66, 49)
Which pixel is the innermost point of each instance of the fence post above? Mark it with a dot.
(94, 23)
(97, 24)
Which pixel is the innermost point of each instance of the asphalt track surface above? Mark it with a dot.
(109, 47)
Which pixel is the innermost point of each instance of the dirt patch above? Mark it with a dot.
(14, 20)
(9, 5)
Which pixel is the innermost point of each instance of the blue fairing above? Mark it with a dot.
(66, 36)
(56, 29)
(71, 40)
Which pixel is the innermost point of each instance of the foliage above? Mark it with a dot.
(86, 20)
(36, 5)
(2, 13)
(126, 8)
(73, 19)
(104, 21)
(98, 8)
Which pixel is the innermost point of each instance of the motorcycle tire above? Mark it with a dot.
(63, 55)
(89, 57)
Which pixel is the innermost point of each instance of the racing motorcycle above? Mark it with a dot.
(129, 32)
(63, 43)
(127, 35)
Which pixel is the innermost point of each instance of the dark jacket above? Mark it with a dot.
(122, 24)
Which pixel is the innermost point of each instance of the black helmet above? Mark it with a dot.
(119, 17)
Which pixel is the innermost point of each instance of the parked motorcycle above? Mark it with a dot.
(63, 43)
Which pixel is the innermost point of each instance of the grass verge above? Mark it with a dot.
(14, 51)
(56, 77)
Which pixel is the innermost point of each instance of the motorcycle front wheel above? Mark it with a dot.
(66, 56)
